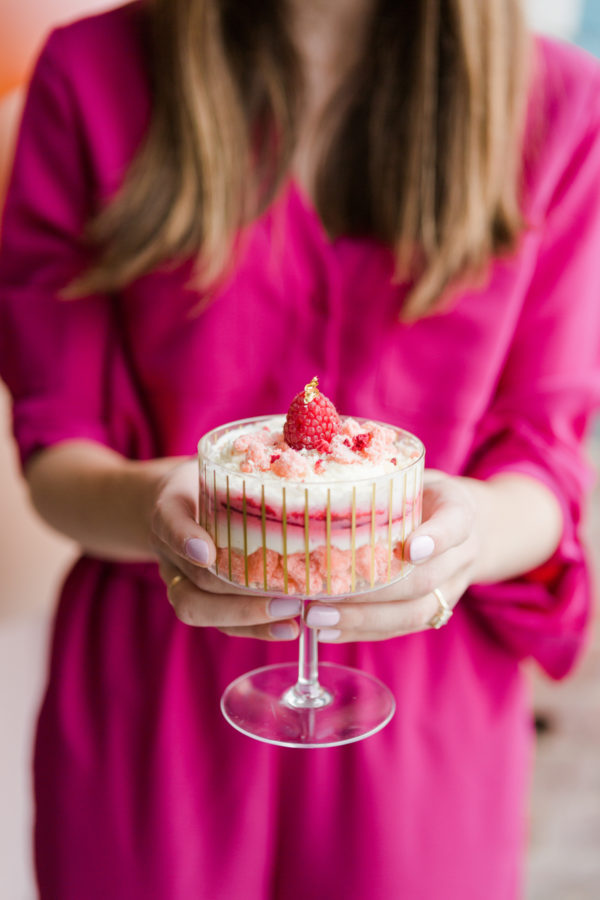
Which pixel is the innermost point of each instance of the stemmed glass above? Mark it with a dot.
(314, 540)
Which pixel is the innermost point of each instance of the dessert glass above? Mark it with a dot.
(313, 539)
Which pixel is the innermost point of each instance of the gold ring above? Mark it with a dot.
(175, 580)
(444, 613)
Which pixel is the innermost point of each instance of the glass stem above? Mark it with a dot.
(307, 693)
(308, 662)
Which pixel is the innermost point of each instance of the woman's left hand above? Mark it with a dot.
(444, 550)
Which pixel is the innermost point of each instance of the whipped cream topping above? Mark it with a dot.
(362, 450)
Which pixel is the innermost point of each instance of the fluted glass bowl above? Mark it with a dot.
(313, 539)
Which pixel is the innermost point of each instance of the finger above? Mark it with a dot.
(375, 621)
(253, 615)
(278, 631)
(448, 525)
(371, 621)
(201, 577)
(174, 525)
(450, 567)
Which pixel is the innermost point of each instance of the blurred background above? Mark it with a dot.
(564, 857)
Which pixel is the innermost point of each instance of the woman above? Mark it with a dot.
(401, 197)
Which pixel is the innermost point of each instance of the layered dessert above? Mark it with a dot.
(310, 503)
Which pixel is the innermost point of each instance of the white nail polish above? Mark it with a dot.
(328, 634)
(421, 548)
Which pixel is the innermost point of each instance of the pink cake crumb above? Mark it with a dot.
(291, 464)
(368, 441)
(255, 570)
(260, 448)
(340, 568)
(247, 441)
(258, 562)
(267, 450)
(255, 567)
(350, 428)
(382, 444)
(297, 572)
(340, 579)
(380, 563)
(237, 564)
(340, 450)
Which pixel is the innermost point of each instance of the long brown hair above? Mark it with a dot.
(422, 149)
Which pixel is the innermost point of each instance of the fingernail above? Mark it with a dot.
(321, 616)
(328, 634)
(197, 550)
(421, 547)
(282, 631)
(283, 607)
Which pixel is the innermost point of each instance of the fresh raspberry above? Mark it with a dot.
(312, 420)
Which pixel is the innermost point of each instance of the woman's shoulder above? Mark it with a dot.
(568, 76)
(113, 30)
(99, 66)
(563, 114)
(101, 52)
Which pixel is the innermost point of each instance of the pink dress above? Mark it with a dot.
(143, 791)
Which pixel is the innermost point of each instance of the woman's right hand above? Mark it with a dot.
(185, 549)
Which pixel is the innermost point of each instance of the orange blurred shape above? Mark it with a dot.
(23, 26)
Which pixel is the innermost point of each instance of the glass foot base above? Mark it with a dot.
(357, 706)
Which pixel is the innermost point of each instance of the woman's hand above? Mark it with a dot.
(184, 550)
(472, 531)
(444, 550)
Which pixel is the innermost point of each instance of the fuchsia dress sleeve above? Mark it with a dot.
(61, 360)
(539, 415)
(54, 355)
(143, 792)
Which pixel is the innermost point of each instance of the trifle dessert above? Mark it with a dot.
(310, 503)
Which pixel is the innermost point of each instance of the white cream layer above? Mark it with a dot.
(224, 455)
